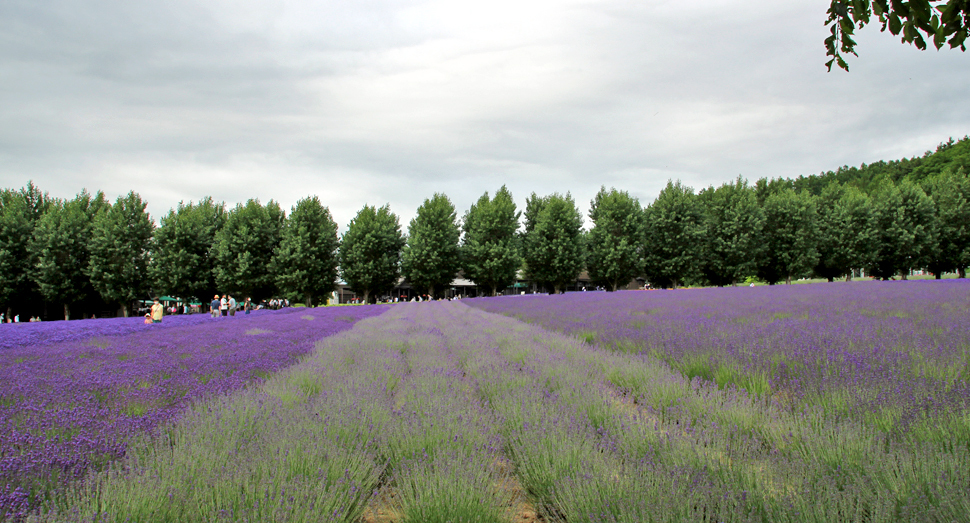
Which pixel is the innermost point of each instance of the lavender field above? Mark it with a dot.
(824, 403)
(74, 394)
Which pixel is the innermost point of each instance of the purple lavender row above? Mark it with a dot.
(26, 334)
(884, 352)
(732, 458)
(72, 407)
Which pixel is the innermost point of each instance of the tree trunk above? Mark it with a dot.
(614, 284)
(673, 283)
(788, 280)
(366, 296)
(309, 300)
(124, 310)
(9, 317)
(67, 312)
(848, 277)
(555, 289)
(938, 275)
(902, 275)
(832, 279)
(962, 272)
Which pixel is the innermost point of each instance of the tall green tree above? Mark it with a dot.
(789, 237)
(370, 252)
(733, 222)
(182, 262)
(19, 213)
(950, 192)
(673, 234)
(431, 260)
(61, 249)
(120, 241)
(846, 234)
(305, 263)
(552, 245)
(905, 229)
(490, 249)
(15, 228)
(937, 20)
(614, 247)
(244, 248)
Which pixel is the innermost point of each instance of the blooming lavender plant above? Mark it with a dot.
(69, 407)
(443, 412)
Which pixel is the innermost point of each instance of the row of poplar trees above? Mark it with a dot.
(68, 251)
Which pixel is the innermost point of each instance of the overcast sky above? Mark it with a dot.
(373, 101)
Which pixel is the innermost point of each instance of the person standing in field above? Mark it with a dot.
(247, 305)
(157, 311)
(214, 306)
(232, 305)
(224, 306)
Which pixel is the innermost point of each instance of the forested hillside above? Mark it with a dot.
(949, 156)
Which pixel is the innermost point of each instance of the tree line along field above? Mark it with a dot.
(887, 219)
(794, 403)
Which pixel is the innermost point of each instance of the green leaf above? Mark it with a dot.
(895, 25)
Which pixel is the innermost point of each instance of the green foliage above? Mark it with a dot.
(19, 212)
(733, 223)
(905, 229)
(120, 241)
(949, 156)
(182, 263)
(370, 252)
(614, 243)
(15, 230)
(305, 263)
(244, 247)
(789, 236)
(431, 259)
(489, 251)
(950, 192)
(60, 249)
(552, 244)
(912, 20)
(845, 231)
(674, 231)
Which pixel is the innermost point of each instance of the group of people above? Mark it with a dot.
(16, 318)
(226, 306)
(277, 303)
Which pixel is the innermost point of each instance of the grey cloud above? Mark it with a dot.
(374, 102)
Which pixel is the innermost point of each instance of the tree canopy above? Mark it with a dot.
(552, 245)
(431, 260)
(61, 249)
(305, 262)
(733, 222)
(370, 252)
(614, 251)
(182, 258)
(790, 236)
(490, 252)
(244, 248)
(120, 242)
(673, 233)
(941, 22)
